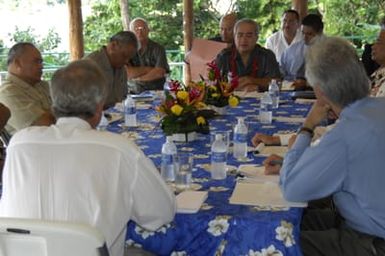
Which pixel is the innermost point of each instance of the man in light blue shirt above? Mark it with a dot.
(348, 163)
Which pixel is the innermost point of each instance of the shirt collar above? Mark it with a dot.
(74, 121)
(18, 81)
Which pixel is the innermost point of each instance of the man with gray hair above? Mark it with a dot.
(23, 91)
(347, 164)
(111, 59)
(147, 70)
(72, 172)
(254, 65)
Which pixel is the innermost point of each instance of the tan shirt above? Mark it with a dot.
(26, 102)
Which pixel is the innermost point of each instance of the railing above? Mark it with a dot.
(54, 60)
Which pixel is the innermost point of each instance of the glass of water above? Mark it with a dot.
(184, 163)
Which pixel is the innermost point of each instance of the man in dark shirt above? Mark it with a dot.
(148, 68)
(254, 65)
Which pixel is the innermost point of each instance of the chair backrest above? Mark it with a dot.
(49, 238)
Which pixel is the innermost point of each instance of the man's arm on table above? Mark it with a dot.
(153, 202)
(305, 168)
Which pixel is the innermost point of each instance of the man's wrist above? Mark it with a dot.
(305, 129)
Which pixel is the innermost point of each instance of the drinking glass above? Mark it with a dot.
(184, 164)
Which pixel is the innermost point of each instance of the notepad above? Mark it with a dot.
(261, 194)
(190, 201)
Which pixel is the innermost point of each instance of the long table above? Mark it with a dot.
(219, 228)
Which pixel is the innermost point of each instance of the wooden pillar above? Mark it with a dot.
(188, 33)
(124, 14)
(76, 29)
(301, 7)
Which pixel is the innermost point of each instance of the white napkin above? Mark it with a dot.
(190, 201)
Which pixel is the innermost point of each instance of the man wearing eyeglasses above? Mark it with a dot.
(147, 70)
(254, 65)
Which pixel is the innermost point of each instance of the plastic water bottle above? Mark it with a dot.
(166, 85)
(274, 93)
(266, 112)
(240, 140)
(168, 165)
(218, 158)
(103, 123)
(129, 112)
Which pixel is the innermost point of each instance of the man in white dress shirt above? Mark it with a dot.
(290, 34)
(70, 171)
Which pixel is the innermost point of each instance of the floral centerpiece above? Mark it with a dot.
(183, 109)
(220, 89)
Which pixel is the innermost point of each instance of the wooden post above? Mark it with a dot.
(124, 14)
(188, 34)
(301, 7)
(76, 29)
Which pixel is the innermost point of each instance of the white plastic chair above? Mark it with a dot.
(20, 237)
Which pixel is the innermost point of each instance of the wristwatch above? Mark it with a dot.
(307, 130)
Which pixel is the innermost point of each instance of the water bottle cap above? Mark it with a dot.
(240, 119)
(169, 139)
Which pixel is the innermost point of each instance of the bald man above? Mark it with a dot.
(226, 28)
(23, 91)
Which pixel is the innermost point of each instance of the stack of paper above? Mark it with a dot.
(261, 194)
(190, 201)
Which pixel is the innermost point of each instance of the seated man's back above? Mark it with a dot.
(70, 171)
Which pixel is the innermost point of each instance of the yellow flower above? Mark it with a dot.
(215, 95)
(182, 95)
(200, 105)
(176, 109)
(213, 88)
(201, 120)
(233, 101)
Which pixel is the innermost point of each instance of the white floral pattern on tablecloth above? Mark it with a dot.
(218, 189)
(218, 226)
(269, 251)
(206, 206)
(284, 233)
(132, 243)
(144, 233)
(179, 253)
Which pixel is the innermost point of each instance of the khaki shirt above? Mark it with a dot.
(26, 102)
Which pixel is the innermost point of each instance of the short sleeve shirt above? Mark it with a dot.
(153, 56)
(26, 102)
(261, 64)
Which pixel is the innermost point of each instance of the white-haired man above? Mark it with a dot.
(147, 70)
(347, 164)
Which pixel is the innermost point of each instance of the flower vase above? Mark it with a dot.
(184, 137)
(220, 110)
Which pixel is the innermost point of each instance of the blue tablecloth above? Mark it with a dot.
(219, 228)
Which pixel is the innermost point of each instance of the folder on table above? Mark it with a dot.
(261, 194)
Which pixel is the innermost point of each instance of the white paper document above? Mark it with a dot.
(261, 194)
(190, 201)
(286, 119)
(254, 173)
